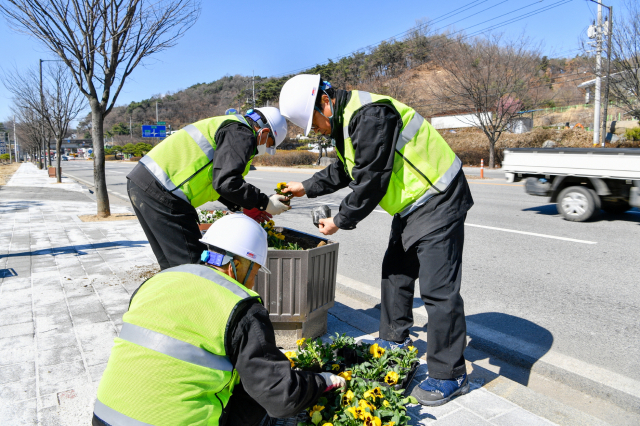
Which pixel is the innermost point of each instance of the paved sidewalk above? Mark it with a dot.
(64, 286)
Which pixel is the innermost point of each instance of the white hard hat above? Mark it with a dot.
(297, 99)
(240, 235)
(276, 122)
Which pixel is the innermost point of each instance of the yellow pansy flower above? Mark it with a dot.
(356, 412)
(335, 367)
(281, 185)
(376, 350)
(391, 378)
(364, 404)
(345, 375)
(385, 403)
(412, 348)
(300, 342)
(390, 424)
(347, 398)
(315, 408)
(370, 420)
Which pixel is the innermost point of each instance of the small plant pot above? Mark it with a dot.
(204, 226)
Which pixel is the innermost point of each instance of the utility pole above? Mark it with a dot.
(15, 138)
(41, 118)
(253, 86)
(596, 109)
(156, 112)
(130, 131)
(606, 87)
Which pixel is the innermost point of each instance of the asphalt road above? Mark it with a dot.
(528, 273)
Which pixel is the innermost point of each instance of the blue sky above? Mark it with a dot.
(278, 37)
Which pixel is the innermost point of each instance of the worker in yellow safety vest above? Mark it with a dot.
(205, 161)
(390, 156)
(197, 347)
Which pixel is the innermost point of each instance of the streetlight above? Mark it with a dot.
(42, 112)
(606, 87)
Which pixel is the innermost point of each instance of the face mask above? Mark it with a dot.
(262, 149)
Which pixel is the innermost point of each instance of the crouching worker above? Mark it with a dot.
(197, 346)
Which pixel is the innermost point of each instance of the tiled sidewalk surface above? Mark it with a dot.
(64, 286)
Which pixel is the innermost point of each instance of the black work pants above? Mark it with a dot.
(436, 259)
(170, 224)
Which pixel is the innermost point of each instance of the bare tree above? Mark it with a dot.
(488, 78)
(625, 60)
(61, 103)
(102, 42)
(30, 131)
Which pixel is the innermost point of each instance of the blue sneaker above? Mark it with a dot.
(433, 392)
(390, 344)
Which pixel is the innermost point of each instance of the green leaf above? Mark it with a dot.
(412, 400)
(316, 418)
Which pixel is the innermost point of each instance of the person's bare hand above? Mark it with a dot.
(295, 188)
(327, 227)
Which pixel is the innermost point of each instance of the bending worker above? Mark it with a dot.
(197, 346)
(391, 156)
(205, 161)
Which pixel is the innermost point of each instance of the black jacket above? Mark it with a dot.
(374, 131)
(235, 146)
(268, 384)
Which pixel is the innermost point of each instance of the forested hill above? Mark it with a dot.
(395, 68)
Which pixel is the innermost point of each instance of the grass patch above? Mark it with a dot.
(6, 171)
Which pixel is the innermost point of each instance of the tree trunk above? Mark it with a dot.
(492, 153)
(99, 180)
(58, 159)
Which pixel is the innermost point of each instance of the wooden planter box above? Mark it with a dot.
(301, 288)
(52, 172)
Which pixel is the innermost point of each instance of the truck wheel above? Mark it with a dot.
(615, 207)
(578, 203)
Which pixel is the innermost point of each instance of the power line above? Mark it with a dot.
(498, 25)
(443, 17)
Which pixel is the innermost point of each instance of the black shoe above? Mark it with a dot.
(433, 392)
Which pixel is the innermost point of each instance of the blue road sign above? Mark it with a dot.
(154, 131)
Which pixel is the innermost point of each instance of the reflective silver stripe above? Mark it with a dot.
(443, 183)
(211, 275)
(162, 177)
(173, 347)
(113, 417)
(201, 140)
(409, 131)
(365, 98)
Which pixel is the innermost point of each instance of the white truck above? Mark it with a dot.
(581, 181)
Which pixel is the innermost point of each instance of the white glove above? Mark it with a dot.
(333, 381)
(276, 205)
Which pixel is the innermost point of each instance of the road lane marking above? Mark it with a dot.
(533, 234)
(86, 183)
(498, 184)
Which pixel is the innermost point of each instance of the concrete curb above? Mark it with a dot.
(590, 379)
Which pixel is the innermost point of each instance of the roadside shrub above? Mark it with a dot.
(4, 157)
(633, 134)
(109, 157)
(135, 158)
(286, 159)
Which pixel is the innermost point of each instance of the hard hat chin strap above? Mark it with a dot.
(246, 277)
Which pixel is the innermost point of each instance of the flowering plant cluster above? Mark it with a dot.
(209, 216)
(372, 396)
(279, 187)
(276, 239)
